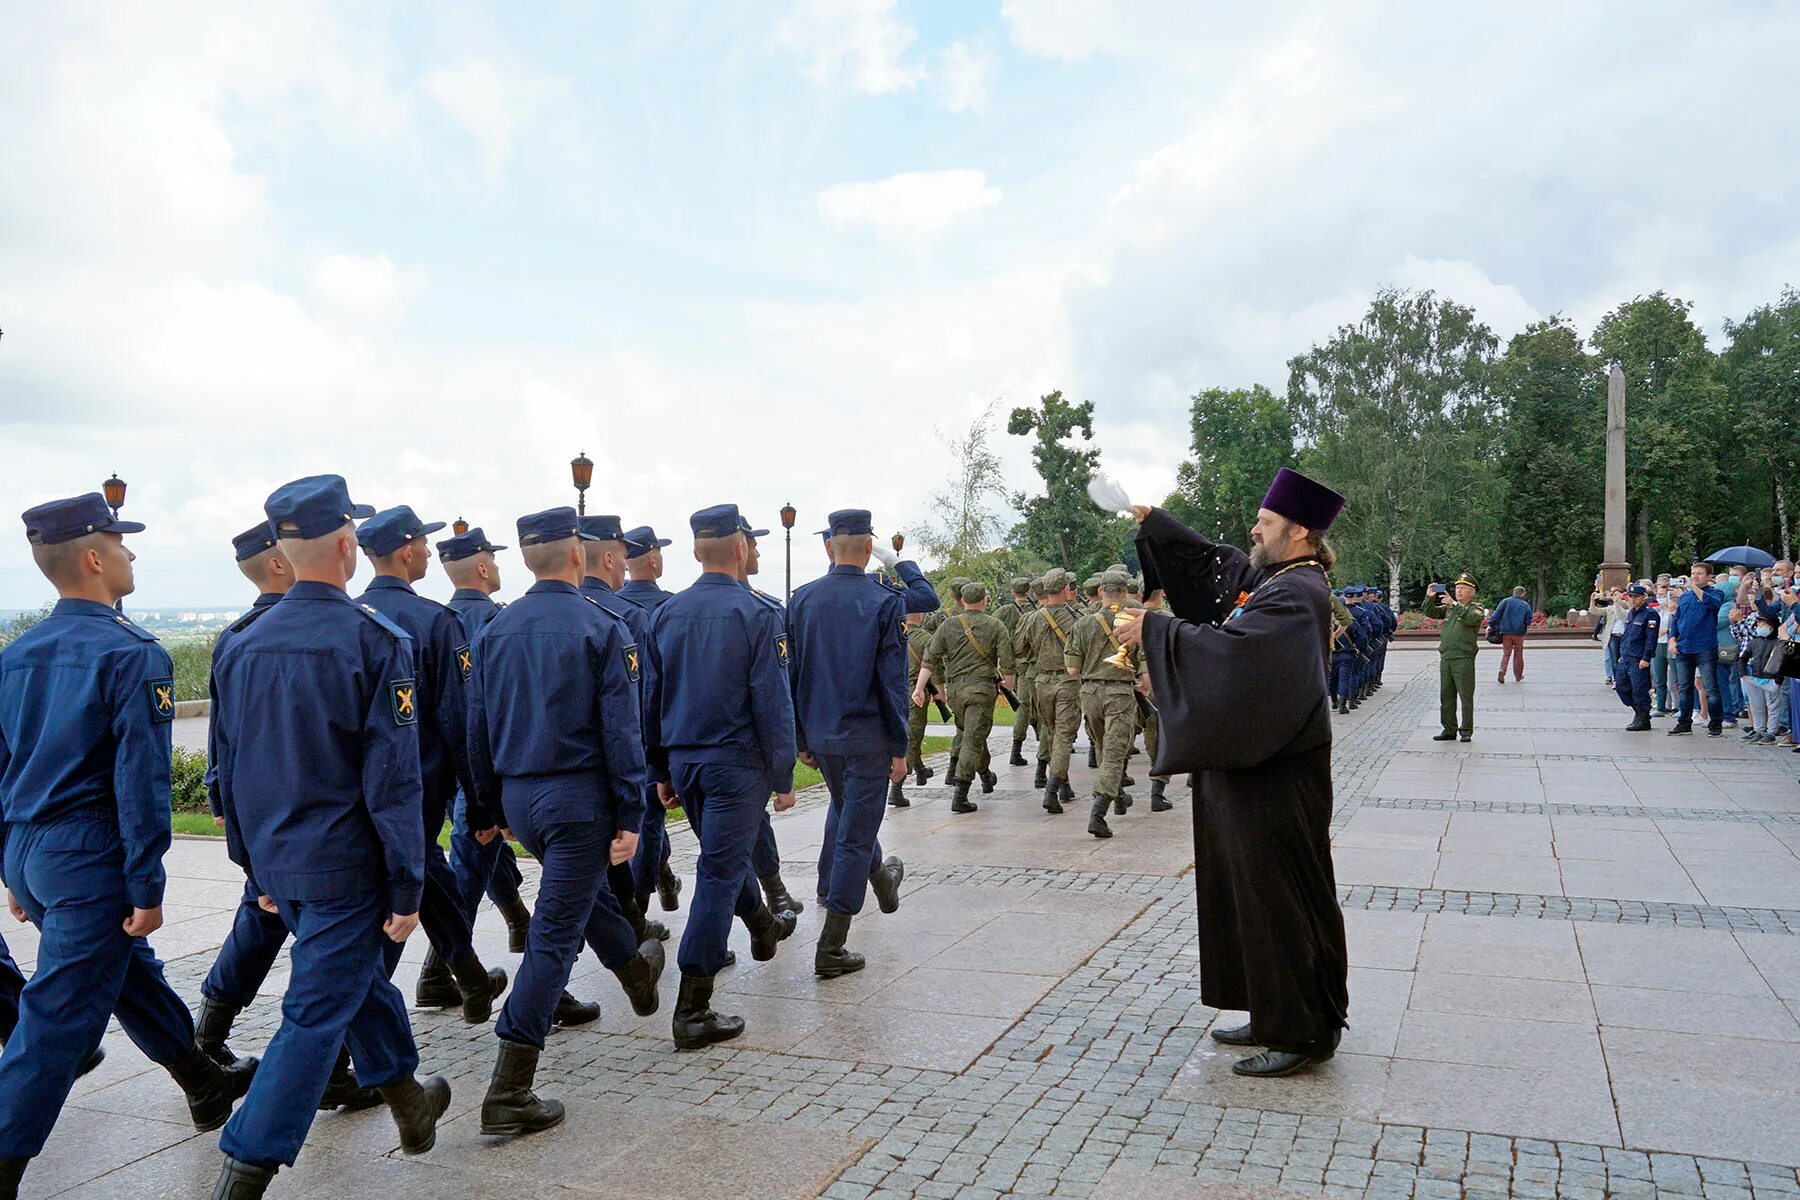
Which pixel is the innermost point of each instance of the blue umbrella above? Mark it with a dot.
(1741, 556)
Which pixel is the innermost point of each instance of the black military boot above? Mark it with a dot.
(1018, 754)
(923, 775)
(1641, 724)
(510, 1106)
(342, 1090)
(768, 929)
(884, 881)
(1068, 791)
(518, 926)
(1125, 779)
(1052, 796)
(778, 896)
(639, 976)
(1093, 758)
(988, 780)
(696, 1024)
(211, 1089)
(237, 1181)
(480, 987)
(642, 927)
(1042, 778)
(1097, 817)
(830, 959)
(960, 803)
(1122, 803)
(897, 797)
(212, 1025)
(417, 1105)
(1158, 801)
(12, 1170)
(436, 987)
(570, 1011)
(668, 888)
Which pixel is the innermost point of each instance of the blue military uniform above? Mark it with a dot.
(765, 854)
(847, 643)
(720, 728)
(86, 698)
(1643, 628)
(317, 742)
(1345, 649)
(645, 593)
(559, 749)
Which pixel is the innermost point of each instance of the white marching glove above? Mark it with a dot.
(1105, 492)
(884, 554)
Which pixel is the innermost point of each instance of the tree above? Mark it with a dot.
(1396, 412)
(19, 623)
(1760, 370)
(1239, 438)
(1062, 526)
(1552, 446)
(962, 537)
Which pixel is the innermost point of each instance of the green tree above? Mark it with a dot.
(1238, 439)
(18, 623)
(1396, 412)
(1760, 370)
(1552, 447)
(962, 537)
(1062, 526)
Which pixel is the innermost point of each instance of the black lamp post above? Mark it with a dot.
(581, 467)
(787, 523)
(114, 490)
(459, 527)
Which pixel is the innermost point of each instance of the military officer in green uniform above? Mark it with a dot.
(1055, 694)
(1457, 643)
(1106, 696)
(916, 641)
(970, 651)
(1012, 614)
(953, 605)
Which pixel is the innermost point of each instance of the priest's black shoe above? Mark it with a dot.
(518, 928)
(1444, 737)
(342, 1090)
(778, 896)
(768, 930)
(1273, 1064)
(988, 780)
(211, 1089)
(884, 881)
(696, 1024)
(897, 797)
(1042, 778)
(510, 1107)
(237, 1181)
(668, 888)
(830, 958)
(1018, 754)
(1052, 795)
(960, 803)
(480, 987)
(436, 987)
(570, 1011)
(1235, 1035)
(1159, 802)
(1097, 818)
(638, 977)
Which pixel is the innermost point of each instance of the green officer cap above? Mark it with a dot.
(1134, 586)
(974, 593)
(1020, 584)
(1113, 579)
(957, 583)
(1055, 580)
(1036, 588)
(1121, 568)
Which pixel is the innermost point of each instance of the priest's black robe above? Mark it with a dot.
(1243, 707)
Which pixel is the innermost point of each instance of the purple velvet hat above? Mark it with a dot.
(1303, 501)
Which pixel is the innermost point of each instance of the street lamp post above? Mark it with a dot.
(787, 523)
(114, 490)
(582, 468)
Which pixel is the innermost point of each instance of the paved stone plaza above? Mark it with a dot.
(1575, 972)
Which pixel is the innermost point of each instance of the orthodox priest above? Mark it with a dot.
(1237, 667)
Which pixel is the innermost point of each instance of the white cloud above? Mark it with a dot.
(913, 206)
(965, 72)
(364, 289)
(491, 103)
(1501, 306)
(1073, 30)
(863, 42)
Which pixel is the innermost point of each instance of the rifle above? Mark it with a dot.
(937, 698)
(1144, 707)
(1011, 699)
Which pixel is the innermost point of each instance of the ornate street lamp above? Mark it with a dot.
(114, 490)
(581, 467)
(459, 527)
(787, 523)
(899, 542)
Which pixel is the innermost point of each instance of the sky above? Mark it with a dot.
(776, 251)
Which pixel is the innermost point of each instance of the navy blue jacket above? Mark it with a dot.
(262, 605)
(720, 689)
(442, 658)
(645, 593)
(86, 698)
(1696, 621)
(914, 589)
(1511, 615)
(553, 699)
(315, 723)
(474, 609)
(1638, 642)
(847, 643)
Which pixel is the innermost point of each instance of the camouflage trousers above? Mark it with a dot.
(1025, 716)
(916, 719)
(1058, 707)
(972, 701)
(1111, 712)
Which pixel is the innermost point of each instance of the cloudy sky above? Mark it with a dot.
(768, 250)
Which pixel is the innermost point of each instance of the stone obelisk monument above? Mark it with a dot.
(1615, 571)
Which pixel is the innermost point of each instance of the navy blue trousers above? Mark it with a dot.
(653, 846)
(858, 785)
(1343, 676)
(492, 868)
(338, 991)
(726, 804)
(12, 982)
(249, 952)
(765, 855)
(69, 877)
(1632, 682)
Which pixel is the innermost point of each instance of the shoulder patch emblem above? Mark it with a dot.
(781, 647)
(633, 667)
(465, 661)
(162, 699)
(405, 700)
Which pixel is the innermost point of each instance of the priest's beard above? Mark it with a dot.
(1262, 558)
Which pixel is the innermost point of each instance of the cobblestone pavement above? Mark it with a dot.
(1574, 973)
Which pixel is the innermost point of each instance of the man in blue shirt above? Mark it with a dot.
(720, 728)
(1512, 618)
(554, 743)
(1637, 646)
(86, 698)
(316, 732)
(1694, 645)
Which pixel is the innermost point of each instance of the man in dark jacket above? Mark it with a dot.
(1512, 617)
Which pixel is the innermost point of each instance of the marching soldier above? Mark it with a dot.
(1012, 614)
(1057, 694)
(765, 855)
(644, 566)
(1458, 642)
(971, 652)
(1107, 697)
(917, 639)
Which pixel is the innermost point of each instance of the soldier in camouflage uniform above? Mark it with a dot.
(1159, 800)
(1107, 699)
(969, 652)
(916, 641)
(1012, 614)
(1056, 694)
(953, 605)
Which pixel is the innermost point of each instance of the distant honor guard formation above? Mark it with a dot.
(346, 732)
